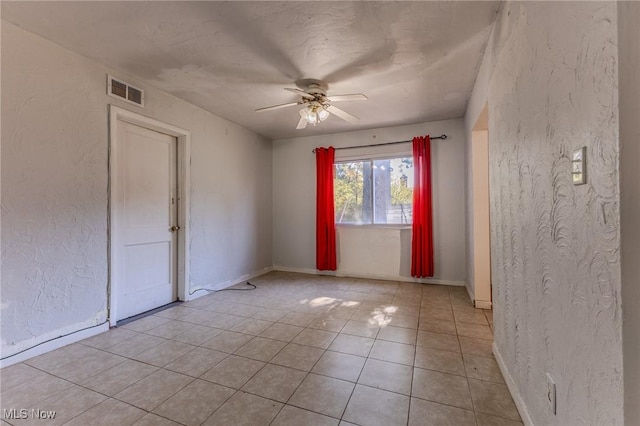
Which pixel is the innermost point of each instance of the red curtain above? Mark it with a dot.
(422, 230)
(325, 220)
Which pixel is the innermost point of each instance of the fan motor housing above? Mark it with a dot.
(312, 86)
(316, 91)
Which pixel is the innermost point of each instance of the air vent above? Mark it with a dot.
(125, 91)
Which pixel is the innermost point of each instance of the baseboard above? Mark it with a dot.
(73, 337)
(479, 304)
(55, 343)
(222, 285)
(348, 274)
(299, 270)
(482, 304)
(515, 394)
(433, 281)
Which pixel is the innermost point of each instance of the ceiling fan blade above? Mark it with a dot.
(277, 106)
(342, 114)
(352, 97)
(302, 123)
(300, 92)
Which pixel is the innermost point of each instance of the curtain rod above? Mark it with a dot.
(443, 137)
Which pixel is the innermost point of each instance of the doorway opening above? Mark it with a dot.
(148, 214)
(481, 219)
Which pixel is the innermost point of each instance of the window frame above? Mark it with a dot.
(372, 158)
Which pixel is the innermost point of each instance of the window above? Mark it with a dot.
(374, 191)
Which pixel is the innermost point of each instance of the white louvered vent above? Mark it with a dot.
(124, 91)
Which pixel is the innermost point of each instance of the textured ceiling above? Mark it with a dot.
(416, 61)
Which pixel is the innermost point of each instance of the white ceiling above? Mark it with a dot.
(416, 61)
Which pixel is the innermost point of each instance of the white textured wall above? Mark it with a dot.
(550, 79)
(629, 51)
(54, 190)
(294, 204)
(372, 251)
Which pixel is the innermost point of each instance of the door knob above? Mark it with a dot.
(174, 228)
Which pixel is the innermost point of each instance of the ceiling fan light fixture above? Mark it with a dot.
(323, 114)
(314, 114)
(317, 106)
(306, 114)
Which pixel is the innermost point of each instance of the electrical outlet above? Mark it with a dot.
(551, 393)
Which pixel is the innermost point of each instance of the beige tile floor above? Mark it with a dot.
(298, 350)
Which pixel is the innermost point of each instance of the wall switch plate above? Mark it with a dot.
(551, 393)
(579, 166)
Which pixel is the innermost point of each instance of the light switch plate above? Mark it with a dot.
(579, 166)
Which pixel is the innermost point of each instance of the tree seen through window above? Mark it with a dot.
(374, 191)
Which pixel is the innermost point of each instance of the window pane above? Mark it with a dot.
(393, 190)
(352, 192)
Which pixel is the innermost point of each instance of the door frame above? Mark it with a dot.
(117, 116)
(481, 214)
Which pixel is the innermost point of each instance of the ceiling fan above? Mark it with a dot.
(317, 105)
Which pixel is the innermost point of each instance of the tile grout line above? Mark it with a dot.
(464, 366)
(378, 299)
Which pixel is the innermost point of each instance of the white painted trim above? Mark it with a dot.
(224, 284)
(511, 385)
(483, 304)
(370, 276)
(116, 115)
(56, 343)
(298, 270)
(479, 304)
(184, 212)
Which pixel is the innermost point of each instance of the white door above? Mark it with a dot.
(145, 220)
